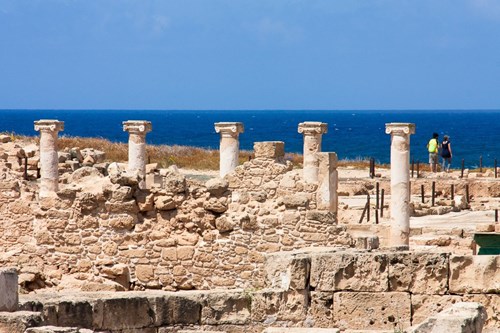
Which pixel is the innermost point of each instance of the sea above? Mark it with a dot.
(352, 134)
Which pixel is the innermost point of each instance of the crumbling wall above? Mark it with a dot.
(103, 232)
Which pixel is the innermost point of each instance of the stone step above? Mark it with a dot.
(300, 330)
(54, 329)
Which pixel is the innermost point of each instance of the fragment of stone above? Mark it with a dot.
(349, 270)
(295, 201)
(125, 179)
(216, 205)
(174, 181)
(462, 317)
(83, 172)
(228, 307)
(224, 224)
(474, 274)
(19, 321)
(382, 311)
(269, 149)
(97, 155)
(272, 306)
(168, 202)
(216, 186)
(9, 297)
(287, 271)
(76, 154)
(418, 272)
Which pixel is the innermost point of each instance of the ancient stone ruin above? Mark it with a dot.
(96, 246)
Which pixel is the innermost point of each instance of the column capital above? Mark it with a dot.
(137, 126)
(231, 128)
(313, 128)
(400, 128)
(49, 125)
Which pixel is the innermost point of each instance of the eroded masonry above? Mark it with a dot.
(100, 246)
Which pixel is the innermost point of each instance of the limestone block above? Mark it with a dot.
(418, 273)
(9, 297)
(216, 186)
(116, 313)
(168, 202)
(295, 201)
(226, 308)
(126, 207)
(321, 216)
(153, 180)
(54, 329)
(174, 181)
(122, 221)
(269, 149)
(19, 321)
(224, 224)
(287, 271)
(63, 156)
(425, 306)
(462, 317)
(347, 270)
(474, 274)
(175, 309)
(270, 306)
(97, 155)
(144, 273)
(76, 154)
(215, 205)
(491, 303)
(321, 309)
(363, 310)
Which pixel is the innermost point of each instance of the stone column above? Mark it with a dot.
(312, 130)
(49, 160)
(137, 130)
(229, 145)
(400, 183)
(326, 197)
(9, 297)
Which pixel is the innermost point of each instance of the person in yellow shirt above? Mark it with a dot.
(433, 148)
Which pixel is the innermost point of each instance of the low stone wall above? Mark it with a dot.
(105, 233)
(381, 290)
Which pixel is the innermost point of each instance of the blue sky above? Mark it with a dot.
(238, 54)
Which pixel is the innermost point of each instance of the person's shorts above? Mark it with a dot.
(433, 158)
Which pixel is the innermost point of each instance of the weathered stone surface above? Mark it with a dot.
(174, 181)
(224, 224)
(272, 306)
(321, 309)
(19, 321)
(363, 310)
(9, 298)
(226, 308)
(116, 313)
(461, 318)
(474, 274)
(419, 273)
(346, 270)
(216, 186)
(285, 271)
(295, 201)
(269, 149)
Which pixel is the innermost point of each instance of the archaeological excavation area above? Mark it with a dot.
(92, 245)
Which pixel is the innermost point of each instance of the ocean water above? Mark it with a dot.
(351, 134)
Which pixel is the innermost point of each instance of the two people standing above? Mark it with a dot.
(433, 147)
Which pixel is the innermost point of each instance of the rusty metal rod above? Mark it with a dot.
(422, 193)
(382, 203)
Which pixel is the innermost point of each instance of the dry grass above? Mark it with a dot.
(182, 156)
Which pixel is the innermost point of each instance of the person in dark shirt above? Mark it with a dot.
(446, 153)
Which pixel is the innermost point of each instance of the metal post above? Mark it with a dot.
(433, 192)
(376, 216)
(467, 193)
(463, 163)
(377, 191)
(496, 215)
(382, 203)
(480, 164)
(363, 213)
(452, 191)
(372, 167)
(418, 169)
(422, 193)
(25, 175)
(368, 209)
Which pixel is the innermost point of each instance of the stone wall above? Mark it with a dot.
(104, 232)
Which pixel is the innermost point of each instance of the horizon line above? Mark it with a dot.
(244, 110)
